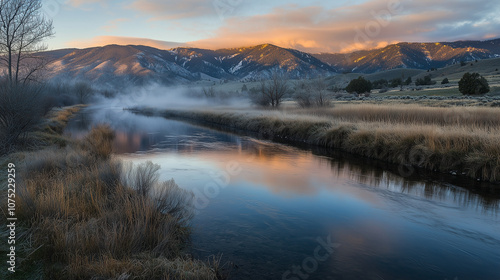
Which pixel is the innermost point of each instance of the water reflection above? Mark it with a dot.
(288, 170)
(271, 213)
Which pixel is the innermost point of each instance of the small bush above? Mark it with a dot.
(427, 80)
(359, 85)
(311, 94)
(303, 99)
(379, 84)
(142, 178)
(99, 141)
(258, 99)
(408, 81)
(473, 84)
(396, 82)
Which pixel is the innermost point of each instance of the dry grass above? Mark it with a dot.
(413, 114)
(83, 217)
(462, 140)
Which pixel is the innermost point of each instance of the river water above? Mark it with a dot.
(274, 211)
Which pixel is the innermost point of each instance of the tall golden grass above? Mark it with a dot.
(461, 140)
(413, 114)
(84, 215)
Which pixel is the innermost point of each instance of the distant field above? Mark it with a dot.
(431, 91)
(489, 68)
(486, 67)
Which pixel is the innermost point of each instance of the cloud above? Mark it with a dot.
(112, 25)
(81, 3)
(311, 28)
(108, 40)
(368, 25)
(177, 9)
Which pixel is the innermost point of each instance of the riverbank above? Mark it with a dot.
(81, 214)
(457, 140)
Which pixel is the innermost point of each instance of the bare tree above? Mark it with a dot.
(210, 92)
(320, 93)
(274, 90)
(303, 95)
(308, 94)
(83, 91)
(23, 29)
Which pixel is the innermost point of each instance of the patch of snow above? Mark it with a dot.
(236, 67)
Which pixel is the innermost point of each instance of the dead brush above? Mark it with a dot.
(90, 216)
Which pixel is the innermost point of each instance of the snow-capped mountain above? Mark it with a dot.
(412, 55)
(140, 64)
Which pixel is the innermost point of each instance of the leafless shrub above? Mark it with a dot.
(209, 92)
(142, 178)
(21, 111)
(83, 91)
(273, 90)
(174, 201)
(309, 94)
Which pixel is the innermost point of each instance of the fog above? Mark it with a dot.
(174, 97)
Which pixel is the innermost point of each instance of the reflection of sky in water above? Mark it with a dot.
(270, 214)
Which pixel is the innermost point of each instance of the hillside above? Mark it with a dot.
(137, 64)
(118, 64)
(123, 65)
(412, 55)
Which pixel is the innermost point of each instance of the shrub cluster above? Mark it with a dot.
(89, 216)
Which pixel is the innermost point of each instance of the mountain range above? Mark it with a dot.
(141, 64)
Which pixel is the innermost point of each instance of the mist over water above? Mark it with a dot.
(267, 218)
(174, 97)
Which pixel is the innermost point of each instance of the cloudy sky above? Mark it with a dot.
(313, 26)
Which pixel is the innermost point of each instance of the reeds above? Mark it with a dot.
(461, 140)
(90, 217)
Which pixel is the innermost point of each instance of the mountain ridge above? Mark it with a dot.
(139, 64)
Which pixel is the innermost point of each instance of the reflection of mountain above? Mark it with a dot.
(124, 65)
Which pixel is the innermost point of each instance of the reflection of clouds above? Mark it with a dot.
(279, 168)
(362, 244)
(128, 142)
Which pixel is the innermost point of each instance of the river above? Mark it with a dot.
(275, 211)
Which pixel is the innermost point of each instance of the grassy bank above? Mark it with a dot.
(458, 140)
(84, 215)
